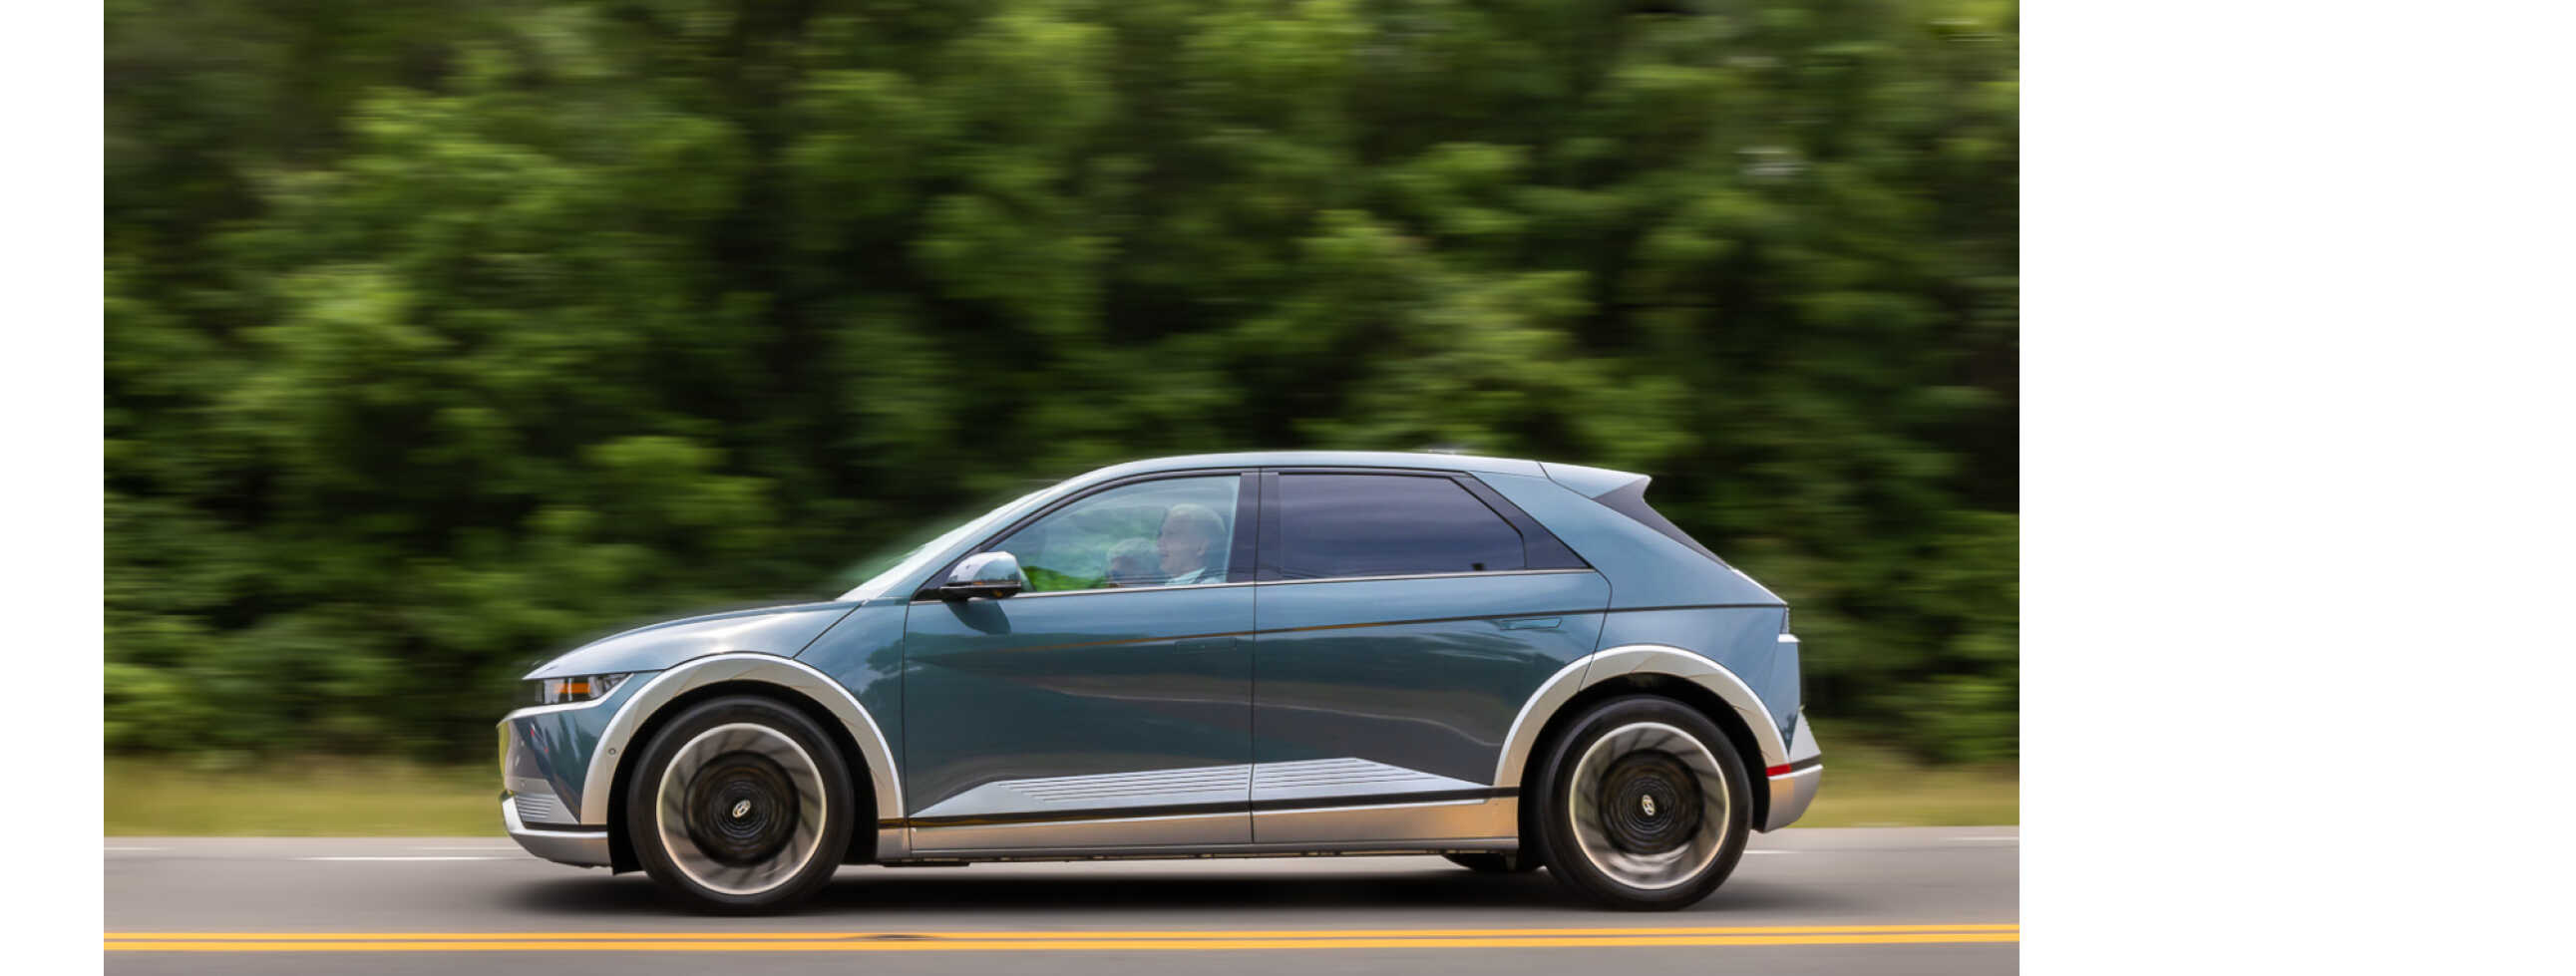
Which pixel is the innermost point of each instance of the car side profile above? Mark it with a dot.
(1512, 663)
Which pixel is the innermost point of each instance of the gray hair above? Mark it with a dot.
(1197, 518)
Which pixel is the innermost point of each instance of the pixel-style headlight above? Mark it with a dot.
(556, 691)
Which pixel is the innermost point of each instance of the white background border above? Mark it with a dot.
(2296, 476)
(53, 251)
(2296, 472)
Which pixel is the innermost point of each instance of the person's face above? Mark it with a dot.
(1181, 549)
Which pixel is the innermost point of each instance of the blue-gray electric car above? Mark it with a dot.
(1510, 663)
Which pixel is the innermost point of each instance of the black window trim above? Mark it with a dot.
(1537, 543)
(1272, 543)
(1247, 509)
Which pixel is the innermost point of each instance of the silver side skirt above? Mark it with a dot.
(1311, 802)
(1146, 852)
(1277, 783)
(1178, 829)
(1453, 825)
(1396, 823)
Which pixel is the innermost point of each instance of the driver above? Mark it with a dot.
(1188, 544)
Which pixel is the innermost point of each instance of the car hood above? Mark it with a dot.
(780, 630)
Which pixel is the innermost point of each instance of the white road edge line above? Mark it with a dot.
(1983, 840)
(135, 848)
(431, 857)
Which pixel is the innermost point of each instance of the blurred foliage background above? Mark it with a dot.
(445, 334)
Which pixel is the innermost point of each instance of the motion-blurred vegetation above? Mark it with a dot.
(443, 334)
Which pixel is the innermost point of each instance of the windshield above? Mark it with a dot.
(891, 565)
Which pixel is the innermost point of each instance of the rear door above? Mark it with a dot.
(1404, 616)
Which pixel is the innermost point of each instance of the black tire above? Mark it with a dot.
(756, 799)
(1662, 813)
(1494, 863)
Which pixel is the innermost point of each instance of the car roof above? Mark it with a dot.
(1426, 460)
(1588, 482)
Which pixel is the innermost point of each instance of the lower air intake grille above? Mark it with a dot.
(541, 808)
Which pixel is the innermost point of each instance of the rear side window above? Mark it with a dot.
(1339, 525)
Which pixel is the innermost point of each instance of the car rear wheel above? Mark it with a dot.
(740, 804)
(1644, 805)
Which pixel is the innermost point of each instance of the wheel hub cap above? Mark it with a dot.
(742, 808)
(1653, 800)
(1649, 804)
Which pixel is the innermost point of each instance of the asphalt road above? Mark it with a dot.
(1915, 901)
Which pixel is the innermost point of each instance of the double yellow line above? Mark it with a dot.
(1193, 940)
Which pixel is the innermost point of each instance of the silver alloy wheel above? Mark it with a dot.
(1615, 851)
(740, 742)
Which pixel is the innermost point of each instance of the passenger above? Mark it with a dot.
(1191, 538)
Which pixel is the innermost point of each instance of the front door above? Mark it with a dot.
(1109, 704)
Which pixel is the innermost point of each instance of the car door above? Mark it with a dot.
(1405, 618)
(1109, 703)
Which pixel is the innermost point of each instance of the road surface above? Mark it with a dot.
(1914, 900)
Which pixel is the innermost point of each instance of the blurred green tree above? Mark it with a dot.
(442, 335)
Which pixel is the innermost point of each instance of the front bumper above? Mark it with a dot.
(578, 846)
(1793, 785)
(545, 758)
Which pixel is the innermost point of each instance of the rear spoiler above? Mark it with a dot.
(1592, 482)
(1625, 493)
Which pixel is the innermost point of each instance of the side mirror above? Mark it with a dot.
(990, 574)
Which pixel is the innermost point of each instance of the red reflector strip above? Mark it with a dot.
(1775, 770)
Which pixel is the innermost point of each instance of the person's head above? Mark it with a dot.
(1189, 538)
(1132, 561)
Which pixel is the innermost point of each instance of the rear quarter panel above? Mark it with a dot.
(1662, 592)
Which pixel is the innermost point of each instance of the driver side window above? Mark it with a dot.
(1170, 532)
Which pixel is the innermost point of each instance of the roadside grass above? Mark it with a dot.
(328, 797)
(1865, 786)
(1872, 786)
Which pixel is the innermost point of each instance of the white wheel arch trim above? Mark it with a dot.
(1604, 665)
(768, 669)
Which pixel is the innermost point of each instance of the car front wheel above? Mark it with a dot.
(740, 804)
(1644, 805)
